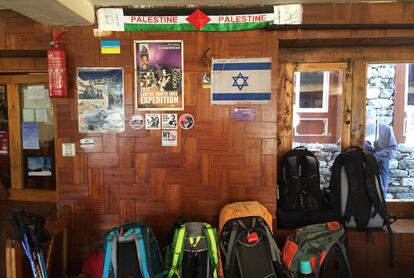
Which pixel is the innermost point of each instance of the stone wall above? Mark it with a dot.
(380, 91)
(401, 182)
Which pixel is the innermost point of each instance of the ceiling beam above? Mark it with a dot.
(54, 12)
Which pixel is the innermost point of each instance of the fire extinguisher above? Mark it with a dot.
(56, 63)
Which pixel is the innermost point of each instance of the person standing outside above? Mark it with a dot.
(381, 141)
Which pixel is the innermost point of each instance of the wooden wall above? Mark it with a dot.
(130, 177)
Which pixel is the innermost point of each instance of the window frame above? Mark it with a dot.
(407, 107)
(17, 190)
(325, 94)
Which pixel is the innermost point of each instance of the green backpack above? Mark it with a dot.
(315, 244)
(193, 252)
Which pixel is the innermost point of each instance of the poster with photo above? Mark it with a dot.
(101, 100)
(169, 138)
(39, 166)
(169, 121)
(152, 121)
(159, 75)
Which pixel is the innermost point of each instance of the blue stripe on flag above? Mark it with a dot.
(242, 66)
(111, 43)
(241, 96)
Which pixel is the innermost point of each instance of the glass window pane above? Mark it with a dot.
(410, 87)
(389, 127)
(310, 92)
(38, 133)
(320, 129)
(4, 139)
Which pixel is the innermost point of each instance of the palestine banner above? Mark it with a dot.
(241, 81)
(188, 19)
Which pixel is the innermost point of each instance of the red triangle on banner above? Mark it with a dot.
(198, 19)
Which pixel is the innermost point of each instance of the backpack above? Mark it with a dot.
(247, 247)
(301, 200)
(193, 252)
(131, 250)
(357, 193)
(316, 243)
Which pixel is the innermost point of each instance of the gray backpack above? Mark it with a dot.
(316, 243)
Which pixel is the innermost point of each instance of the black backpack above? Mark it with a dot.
(357, 194)
(247, 246)
(301, 201)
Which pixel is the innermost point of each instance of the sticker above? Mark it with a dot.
(87, 143)
(110, 47)
(68, 149)
(152, 121)
(169, 121)
(206, 82)
(244, 114)
(169, 138)
(30, 136)
(186, 121)
(137, 121)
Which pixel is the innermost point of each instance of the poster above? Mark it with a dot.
(169, 138)
(4, 145)
(39, 166)
(30, 136)
(169, 121)
(101, 100)
(159, 77)
(152, 121)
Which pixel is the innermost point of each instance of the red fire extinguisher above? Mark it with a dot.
(56, 63)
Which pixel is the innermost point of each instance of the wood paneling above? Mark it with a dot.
(130, 177)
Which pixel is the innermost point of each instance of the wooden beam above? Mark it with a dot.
(16, 150)
(32, 195)
(347, 107)
(359, 97)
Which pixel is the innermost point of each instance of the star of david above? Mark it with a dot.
(240, 81)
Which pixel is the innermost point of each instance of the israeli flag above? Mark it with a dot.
(241, 81)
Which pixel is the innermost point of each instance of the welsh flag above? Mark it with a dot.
(206, 19)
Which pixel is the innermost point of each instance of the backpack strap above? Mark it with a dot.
(108, 254)
(178, 246)
(358, 204)
(228, 254)
(377, 199)
(142, 256)
(341, 258)
(211, 236)
(292, 178)
(274, 250)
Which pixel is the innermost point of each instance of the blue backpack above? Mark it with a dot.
(131, 250)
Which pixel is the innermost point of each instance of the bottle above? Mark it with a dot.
(305, 268)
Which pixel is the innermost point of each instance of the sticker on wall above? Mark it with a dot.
(68, 149)
(169, 138)
(137, 121)
(152, 121)
(87, 143)
(169, 121)
(206, 81)
(244, 114)
(110, 47)
(186, 121)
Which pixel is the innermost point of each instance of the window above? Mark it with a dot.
(317, 113)
(410, 86)
(27, 138)
(312, 91)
